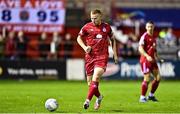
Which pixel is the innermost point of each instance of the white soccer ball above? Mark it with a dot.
(51, 104)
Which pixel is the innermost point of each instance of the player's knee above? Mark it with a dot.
(98, 71)
(147, 80)
(96, 78)
(147, 77)
(99, 74)
(88, 83)
(158, 78)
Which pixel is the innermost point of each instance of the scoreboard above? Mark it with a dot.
(32, 15)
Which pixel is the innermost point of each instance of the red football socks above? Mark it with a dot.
(154, 86)
(144, 87)
(97, 93)
(93, 90)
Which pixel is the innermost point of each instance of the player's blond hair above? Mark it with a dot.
(96, 11)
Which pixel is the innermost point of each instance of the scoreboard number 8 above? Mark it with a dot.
(6, 15)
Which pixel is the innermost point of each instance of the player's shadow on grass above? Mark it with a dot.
(110, 111)
(61, 112)
(116, 110)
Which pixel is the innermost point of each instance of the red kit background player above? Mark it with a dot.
(95, 38)
(148, 61)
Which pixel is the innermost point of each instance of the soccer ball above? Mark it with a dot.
(51, 104)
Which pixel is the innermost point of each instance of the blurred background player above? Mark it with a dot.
(147, 49)
(96, 35)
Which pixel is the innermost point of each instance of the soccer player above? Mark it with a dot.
(95, 38)
(148, 61)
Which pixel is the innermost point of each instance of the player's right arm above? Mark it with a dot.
(142, 52)
(87, 49)
(141, 49)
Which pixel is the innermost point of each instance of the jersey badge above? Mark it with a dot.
(104, 29)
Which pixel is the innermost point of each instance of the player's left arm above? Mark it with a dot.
(157, 57)
(114, 48)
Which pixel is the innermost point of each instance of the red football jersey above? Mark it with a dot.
(97, 37)
(148, 43)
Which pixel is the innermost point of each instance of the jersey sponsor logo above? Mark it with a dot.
(99, 36)
(91, 30)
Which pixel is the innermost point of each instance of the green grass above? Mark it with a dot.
(119, 97)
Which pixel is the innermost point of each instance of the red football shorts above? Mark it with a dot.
(91, 63)
(148, 67)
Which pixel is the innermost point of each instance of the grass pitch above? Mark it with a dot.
(119, 97)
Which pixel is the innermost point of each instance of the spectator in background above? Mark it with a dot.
(2, 42)
(68, 46)
(126, 50)
(54, 46)
(33, 48)
(161, 38)
(170, 38)
(44, 47)
(21, 45)
(129, 50)
(1, 46)
(122, 51)
(10, 46)
(162, 34)
(133, 44)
